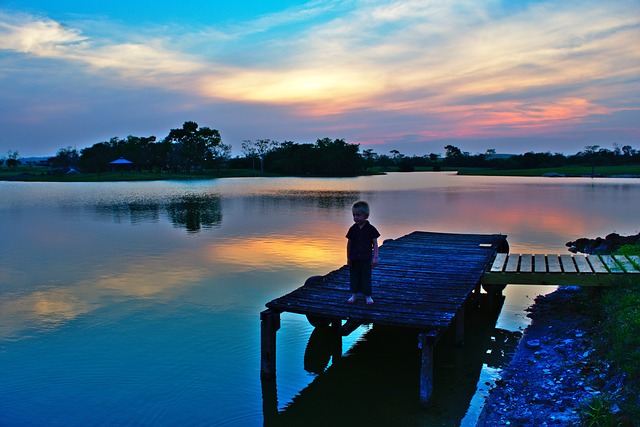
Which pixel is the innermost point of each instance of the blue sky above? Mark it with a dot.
(414, 75)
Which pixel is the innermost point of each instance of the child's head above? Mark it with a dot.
(362, 206)
(360, 211)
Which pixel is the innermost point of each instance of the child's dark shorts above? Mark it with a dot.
(360, 276)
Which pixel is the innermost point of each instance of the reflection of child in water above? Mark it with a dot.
(362, 252)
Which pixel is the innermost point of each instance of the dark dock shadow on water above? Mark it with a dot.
(377, 381)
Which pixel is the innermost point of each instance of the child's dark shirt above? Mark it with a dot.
(362, 241)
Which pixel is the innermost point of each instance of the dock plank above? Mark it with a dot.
(626, 264)
(540, 263)
(513, 263)
(554, 263)
(526, 263)
(597, 264)
(567, 263)
(582, 264)
(499, 262)
(611, 264)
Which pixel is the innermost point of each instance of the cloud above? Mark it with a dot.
(146, 62)
(39, 37)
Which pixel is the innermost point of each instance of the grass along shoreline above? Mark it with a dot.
(630, 171)
(39, 174)
(616, 310)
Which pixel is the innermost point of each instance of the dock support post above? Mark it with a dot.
(459, 339)
(269, 401)
(426, 368)
(269, 325)
(476, 295)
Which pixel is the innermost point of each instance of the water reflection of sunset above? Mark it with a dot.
(263, 252)
(52, 307)
(47, 309)
(542, 219)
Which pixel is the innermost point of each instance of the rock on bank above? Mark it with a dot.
(554, 370)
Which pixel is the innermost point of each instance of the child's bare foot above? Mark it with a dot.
(369, 300)
(352, 299)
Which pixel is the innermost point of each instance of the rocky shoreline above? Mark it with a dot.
(555, 370)
(608, 245)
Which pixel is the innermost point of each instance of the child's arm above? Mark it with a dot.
(349, 252)
(374, 259)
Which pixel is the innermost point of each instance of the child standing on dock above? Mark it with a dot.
(362, 252)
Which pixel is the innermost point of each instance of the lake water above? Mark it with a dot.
(137, 303)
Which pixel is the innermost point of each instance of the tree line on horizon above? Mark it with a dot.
(192, 148)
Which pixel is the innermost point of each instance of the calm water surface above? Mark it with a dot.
(138, 303)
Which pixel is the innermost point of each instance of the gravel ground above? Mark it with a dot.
(555, 369)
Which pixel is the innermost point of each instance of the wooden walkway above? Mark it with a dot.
(422, 282)
(565, 269)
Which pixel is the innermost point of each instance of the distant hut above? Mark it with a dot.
(121, 164)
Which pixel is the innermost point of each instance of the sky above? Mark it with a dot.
(413, 76)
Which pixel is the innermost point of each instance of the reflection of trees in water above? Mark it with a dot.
(326, 199)
(191, 212)
(136, 213)
(332, 200)
(195, 212)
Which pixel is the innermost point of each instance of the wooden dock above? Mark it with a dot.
(422, 282)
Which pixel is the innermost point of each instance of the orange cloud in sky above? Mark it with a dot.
(515, 115)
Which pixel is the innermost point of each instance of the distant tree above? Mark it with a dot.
(384, 161)
(337, 157)
(369, 157)
(627, 150)
(259, 149)
(220, 154)
(12, 159)
(192, 146)
(590, 153)
(453, 156)
(395, 155)
(250, 152)
(96, 158)
(65, 158)
(292, 159)
(452, 151)
(264, 147)
(406, 165)
(138, 150)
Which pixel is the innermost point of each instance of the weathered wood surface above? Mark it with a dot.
(421, 282)
(565, 269)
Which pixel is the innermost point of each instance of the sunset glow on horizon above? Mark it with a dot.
(408, 75)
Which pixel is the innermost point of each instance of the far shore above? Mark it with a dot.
(41, 175)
